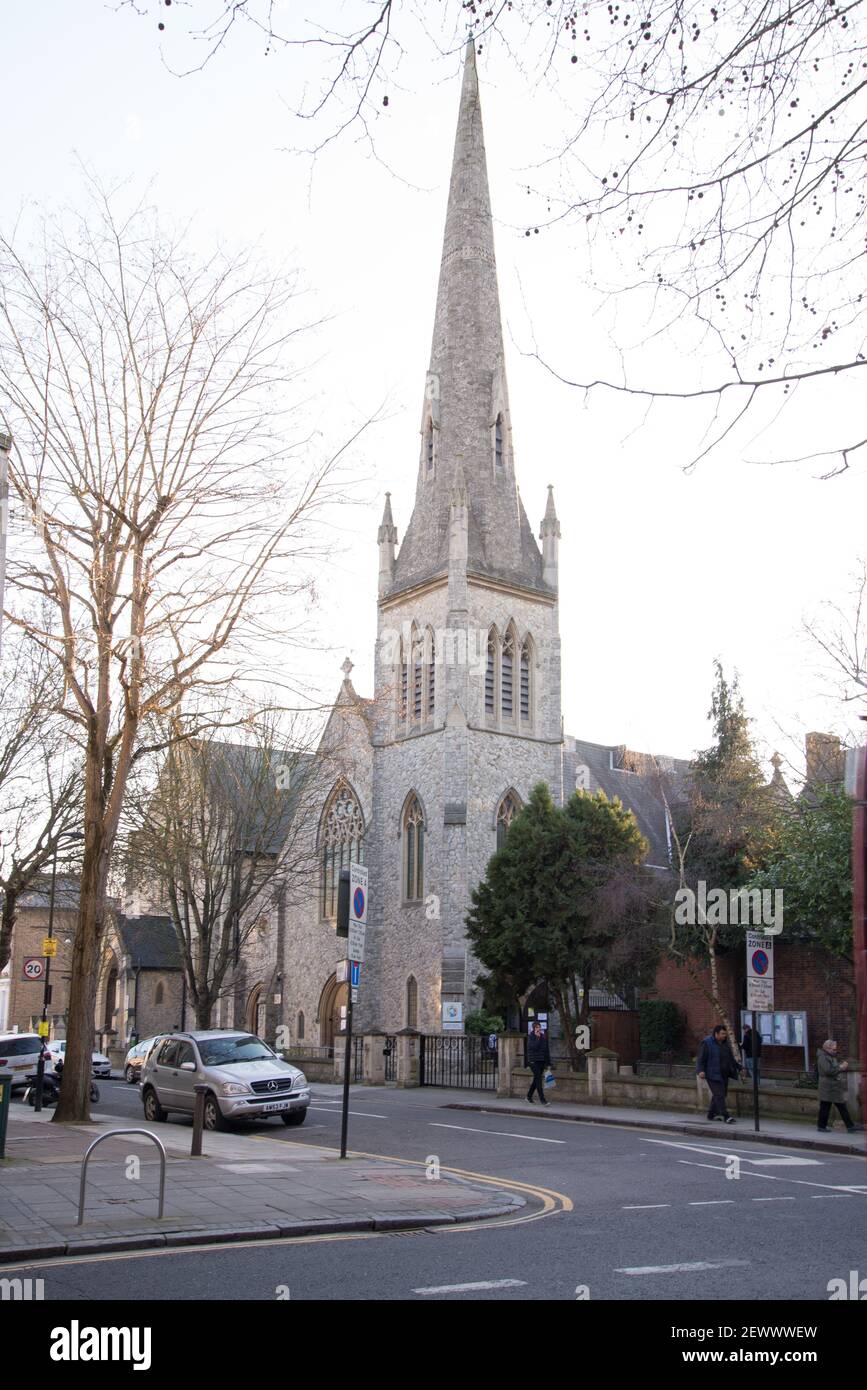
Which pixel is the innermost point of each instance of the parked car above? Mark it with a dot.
(245, 1079)
(19, 1055)
(57, 1053)
(135, 1058)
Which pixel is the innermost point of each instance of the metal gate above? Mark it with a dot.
(390, 1051)
(357, 1059)
(459, 1062)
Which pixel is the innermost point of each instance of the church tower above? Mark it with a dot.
(467, 693)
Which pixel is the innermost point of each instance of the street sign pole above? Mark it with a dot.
(46, 992)
(344, 1122)
(755, 1073)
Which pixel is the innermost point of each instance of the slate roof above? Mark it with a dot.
(633, 779)
(150, 941)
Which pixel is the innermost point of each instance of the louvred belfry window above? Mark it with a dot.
(491, 675)
(525, 683)
(431, 675)
(417, 674)
(507, 662)
(498, 444)
(403, 682)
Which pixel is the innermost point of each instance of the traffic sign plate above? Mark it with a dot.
(355, 944)
(358, 876)
(34, 968)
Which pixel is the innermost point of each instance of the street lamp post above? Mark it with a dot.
(46, 990)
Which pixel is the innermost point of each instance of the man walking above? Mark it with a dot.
(832, 1086)
(716, 1065)
(538, 1058)
(751, 1047)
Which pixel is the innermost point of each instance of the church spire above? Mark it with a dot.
(465, 418)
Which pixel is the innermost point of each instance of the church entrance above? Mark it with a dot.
(333, 1003)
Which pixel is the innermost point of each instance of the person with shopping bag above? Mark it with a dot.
(538, 1060)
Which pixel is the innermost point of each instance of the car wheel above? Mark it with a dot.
(152, 1109)
(129, 1075)
(213, 1115)
(294, 1117)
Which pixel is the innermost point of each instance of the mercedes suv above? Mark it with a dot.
(246, 1080)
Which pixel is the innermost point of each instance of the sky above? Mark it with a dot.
(663, 569)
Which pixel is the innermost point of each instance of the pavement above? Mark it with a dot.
(244, 1188)
(796, 1134)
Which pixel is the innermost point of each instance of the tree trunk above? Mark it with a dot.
(567, 1022)
(7, 922)
(74, 1102)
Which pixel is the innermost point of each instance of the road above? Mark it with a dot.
(645, 1204)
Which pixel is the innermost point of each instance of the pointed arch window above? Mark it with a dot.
(159, 994)
(402, 685)
(491, 675)
(299, 1031)
(341, 843)
(431, 682)
(412, 1002)
(508, 808)
(507, 677)
(526, 693)
(417, 655)
(413, 851)
(498, 444)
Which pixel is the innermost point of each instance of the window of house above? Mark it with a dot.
(525, 683)
(412, 1002)
(342, 835)
(491, 675)
(506, 812)
(413, 838)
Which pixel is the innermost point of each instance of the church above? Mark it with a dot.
(465, 715)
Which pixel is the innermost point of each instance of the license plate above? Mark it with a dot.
(21, 1066)
(276, 1105)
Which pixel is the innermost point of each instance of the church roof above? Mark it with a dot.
(150, 941)
(634, 778)
(466, 390)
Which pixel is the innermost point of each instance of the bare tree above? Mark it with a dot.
(839, 632)
(220, 838)
(718, 146)
(40, 776)
(170, 509)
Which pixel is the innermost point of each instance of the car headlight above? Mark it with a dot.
(235, 1088)
(300, 1080)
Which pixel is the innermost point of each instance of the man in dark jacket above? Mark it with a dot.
(716, 1065)
(538, 1058)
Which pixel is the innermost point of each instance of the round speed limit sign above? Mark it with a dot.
(34, 968)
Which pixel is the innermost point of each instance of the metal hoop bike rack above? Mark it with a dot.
(113, 1134)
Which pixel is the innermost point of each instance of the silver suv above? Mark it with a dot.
(245, 1079)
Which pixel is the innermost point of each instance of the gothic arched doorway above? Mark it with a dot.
(251, 1018)
(334, 998)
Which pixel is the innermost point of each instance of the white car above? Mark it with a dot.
(19, 1056)
(101, 1064)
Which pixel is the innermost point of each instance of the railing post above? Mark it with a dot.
(198, 1120)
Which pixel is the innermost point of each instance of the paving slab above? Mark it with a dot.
(272, 1189)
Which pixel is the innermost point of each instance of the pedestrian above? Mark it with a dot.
(716, 1065)
(538, 1058)
(832, 1086)
(751, 1048)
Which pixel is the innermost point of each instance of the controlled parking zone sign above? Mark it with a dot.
(760, 971)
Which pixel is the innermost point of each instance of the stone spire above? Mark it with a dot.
(549, 535)
(465, 418)
(387, 539)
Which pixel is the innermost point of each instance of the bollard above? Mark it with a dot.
(198, 1121)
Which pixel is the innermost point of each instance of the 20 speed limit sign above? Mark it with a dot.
(33, 969)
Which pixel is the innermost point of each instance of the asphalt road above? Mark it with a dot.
(645, 1204)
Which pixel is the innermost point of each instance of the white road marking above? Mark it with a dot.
(365, 1114)
(471, 1288)
(648, 1206)
(502, 1133)
(773, 1199)
(838, 1188)
(763, 1161)
(716, 1202)
(694, 1267)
